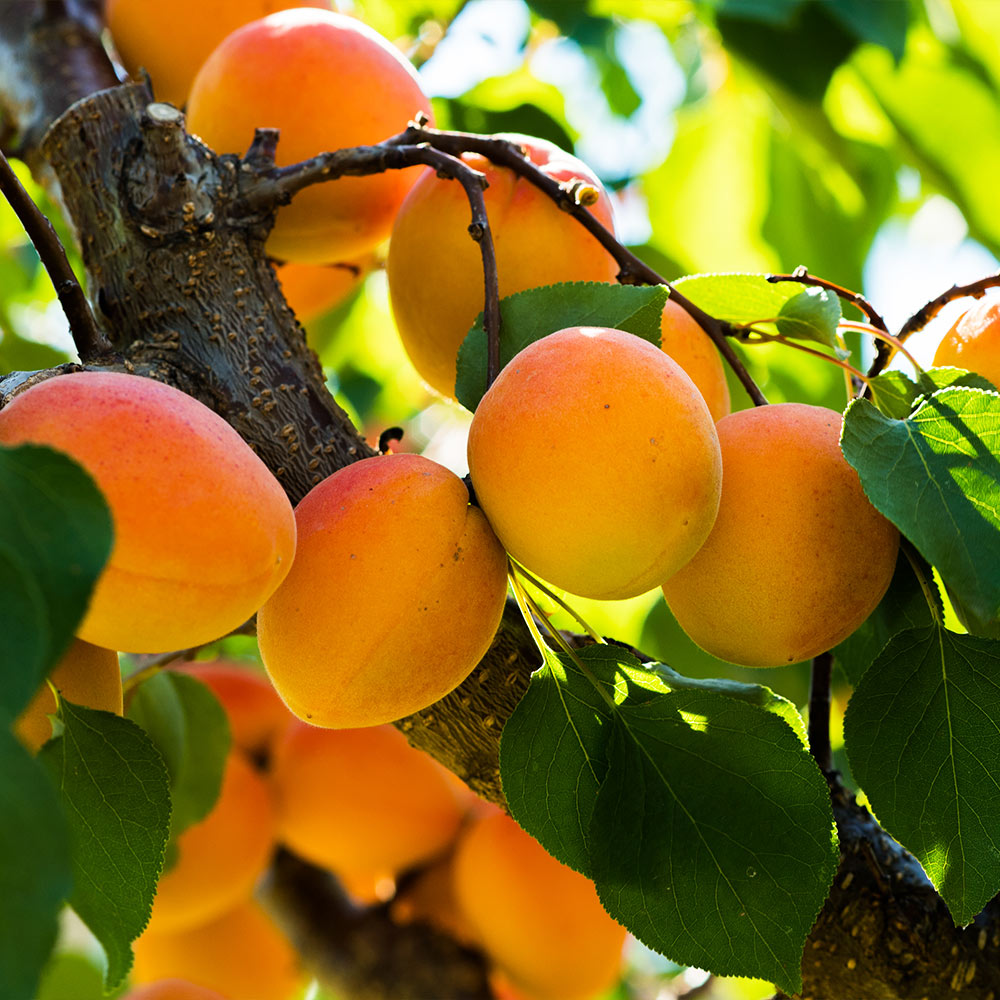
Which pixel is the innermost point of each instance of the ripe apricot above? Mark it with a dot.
(540, 921)
(327, 81)
(361, 802)
(174, 989)
(314, 289)
(203, 531)
(973, 343)
(688, 344)
(241, 953)
(436, 272)
(256, 714)
(171, 40)
(397, 590)
(86, 675)
(798, 557)
(220, 858)
(596, 461)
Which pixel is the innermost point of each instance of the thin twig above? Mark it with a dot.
(802, 276)
(90, 342)
(819, 711)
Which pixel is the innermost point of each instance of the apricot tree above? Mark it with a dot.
(708, 819)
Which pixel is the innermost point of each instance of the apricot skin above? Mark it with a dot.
(973, 343)
(203, 531)
(596, 461)
(540, 921)
(798, 557)
(361, 802)
(327, 81)
(86, 675)
(173, 989)
(688, 344)
(436, 272)
(171, 40)
(397, 590)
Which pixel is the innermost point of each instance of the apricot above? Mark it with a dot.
(256, 714)
(240, 953)
(361, 802)
(173, 989)
(395, 595)
(435, 270)
(973, 342)
(219, 859)
(314, 289)
(86, 675)
(798, 557)
(171, 40)
(540, 921)
(327, 81)
(688, 344)
(596, 461)
(203, 532)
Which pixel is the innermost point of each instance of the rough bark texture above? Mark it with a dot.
(174, 250)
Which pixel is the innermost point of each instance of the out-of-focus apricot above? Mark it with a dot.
(313, 289)
(540, 921)
(86, 675)
(219, 859)
(798, 557)
(203, 531)
(174, 989)
(436, 272)
(973, 343)
(397, 590)
(361, 802)
(171, 40)
(596, 461)
(688, 344)
(326, 81)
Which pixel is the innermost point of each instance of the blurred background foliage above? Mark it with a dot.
(858, 137)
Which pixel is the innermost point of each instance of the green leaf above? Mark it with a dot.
(71, 974)
(189, 727)
(897, 395)
(787, 307)
(35, 875)
(936, 476)
(921, 737)
(882, 22)
(904, 606)
(116, 796)
(528, 316)
(712, 837)
(55, 536)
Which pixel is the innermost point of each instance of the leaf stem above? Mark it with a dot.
(761, 337)
(538, 585)
(886, 338)
(926, 586)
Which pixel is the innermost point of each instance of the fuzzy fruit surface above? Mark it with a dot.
(540, 921)
(397, 590)
(170, 41)
(86, 675)
(203, 532)
(688, 344)
(973, 343)
(327, 81)
(174, 989)
(798, 557)
(362, 802)
(596, 461)
(241, 954)
(436, 272)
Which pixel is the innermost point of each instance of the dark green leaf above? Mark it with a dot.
(35, 876)
(19, 354)
(189, 727)
(921, 736)
(882, 22)
(55, 536)
(116, 796)
(936, 475)
(529, 316)
(898, 395)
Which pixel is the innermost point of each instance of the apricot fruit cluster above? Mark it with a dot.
(973, 342)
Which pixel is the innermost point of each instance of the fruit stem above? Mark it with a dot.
(886, 338)
(819, 711)
(538, 585)
(760, 337)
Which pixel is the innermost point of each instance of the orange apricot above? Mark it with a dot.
(174, 989)
(688, 344)
(596, 461)
(203, 532)
(240, 953)
(436, 273)
(171, 40)
(86, 675)
(361, 802)
(395, 595)
(540, 921)
(327, 81)
(314, 289)
(219, 859)
(256, 714)
(798, 557)
(973, 342)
